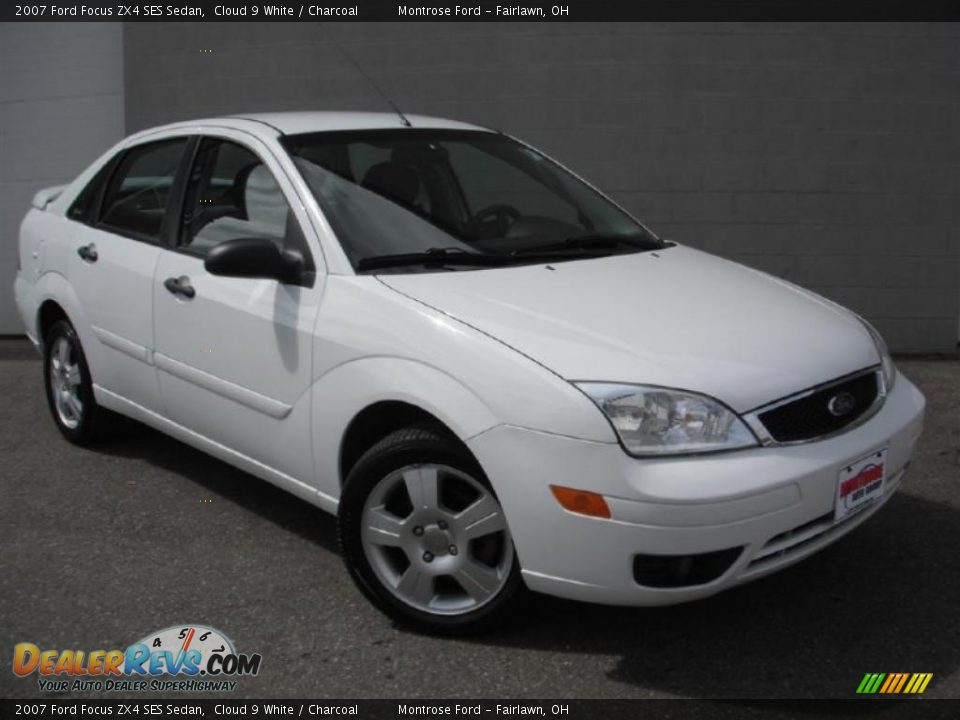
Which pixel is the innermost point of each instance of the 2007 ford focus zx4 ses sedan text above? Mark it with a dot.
(495, 376)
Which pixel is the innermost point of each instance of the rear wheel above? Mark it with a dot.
(69, 387)
(424, 536)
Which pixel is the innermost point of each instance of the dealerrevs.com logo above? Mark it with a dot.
(188, 658)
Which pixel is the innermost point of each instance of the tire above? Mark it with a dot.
(443, 567)
(69, 387)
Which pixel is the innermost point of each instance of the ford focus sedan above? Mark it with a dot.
(496, 377)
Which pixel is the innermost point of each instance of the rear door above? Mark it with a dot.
(234, 355)
(116, 250)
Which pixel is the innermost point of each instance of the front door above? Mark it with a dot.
(234, 355)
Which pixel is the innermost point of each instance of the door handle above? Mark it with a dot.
(180, 286)
(88, 252)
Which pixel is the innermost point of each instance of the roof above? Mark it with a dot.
(269, 125)
(291, 123)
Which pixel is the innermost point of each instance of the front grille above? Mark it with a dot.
(789, 542)
(818, 531)
(810, 417)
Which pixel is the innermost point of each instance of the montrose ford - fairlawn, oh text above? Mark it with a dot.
(456, 709)
(478, 11)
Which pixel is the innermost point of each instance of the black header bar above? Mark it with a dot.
(481, 11)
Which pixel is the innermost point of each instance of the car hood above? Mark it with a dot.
(677, 318)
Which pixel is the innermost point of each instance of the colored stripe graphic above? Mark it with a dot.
(892, 678)
(873, 682)
(894, 683)
(903, 680)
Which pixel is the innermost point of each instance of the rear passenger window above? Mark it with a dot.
(136, 198)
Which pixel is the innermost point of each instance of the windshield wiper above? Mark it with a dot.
(434, 257)
(597, 241)
(442, 256)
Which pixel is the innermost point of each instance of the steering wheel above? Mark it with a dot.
(497, 217)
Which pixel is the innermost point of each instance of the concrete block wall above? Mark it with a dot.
(61, 105)
(828, 154)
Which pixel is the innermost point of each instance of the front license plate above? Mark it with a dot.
(860, 483)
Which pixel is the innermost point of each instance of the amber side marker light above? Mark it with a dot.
(581, 501)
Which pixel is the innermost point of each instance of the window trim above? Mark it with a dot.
(177, 232)
(99, 183)
(161, 240)
(178, 196)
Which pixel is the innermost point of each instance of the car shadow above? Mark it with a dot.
(131, 439)
(883, 599)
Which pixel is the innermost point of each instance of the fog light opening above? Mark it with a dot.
(677, 571)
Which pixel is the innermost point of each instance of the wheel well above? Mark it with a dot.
(374, 423)
(49, 313)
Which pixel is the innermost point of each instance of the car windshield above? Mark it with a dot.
(415, 200)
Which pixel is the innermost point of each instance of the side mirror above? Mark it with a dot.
(254, 258)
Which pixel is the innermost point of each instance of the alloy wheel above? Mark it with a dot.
(437, 539)
(65, 382)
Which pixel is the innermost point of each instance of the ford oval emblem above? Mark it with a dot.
(841, 404)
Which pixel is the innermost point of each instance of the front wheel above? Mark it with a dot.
(424, 536)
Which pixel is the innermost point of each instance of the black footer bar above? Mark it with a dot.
(481, 10)
(482, 709)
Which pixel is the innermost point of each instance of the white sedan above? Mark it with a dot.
(494, 375)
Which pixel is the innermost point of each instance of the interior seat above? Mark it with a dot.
(266, 214)
(394, 180)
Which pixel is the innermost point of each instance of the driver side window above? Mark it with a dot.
(487, 181)
(232, 194)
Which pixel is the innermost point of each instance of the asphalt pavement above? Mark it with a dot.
(100, 546)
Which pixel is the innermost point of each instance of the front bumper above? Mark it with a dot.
(775, 503)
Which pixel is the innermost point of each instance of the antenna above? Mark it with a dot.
(380, 92)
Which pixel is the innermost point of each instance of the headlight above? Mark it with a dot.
(886, 362)
(660, 421)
